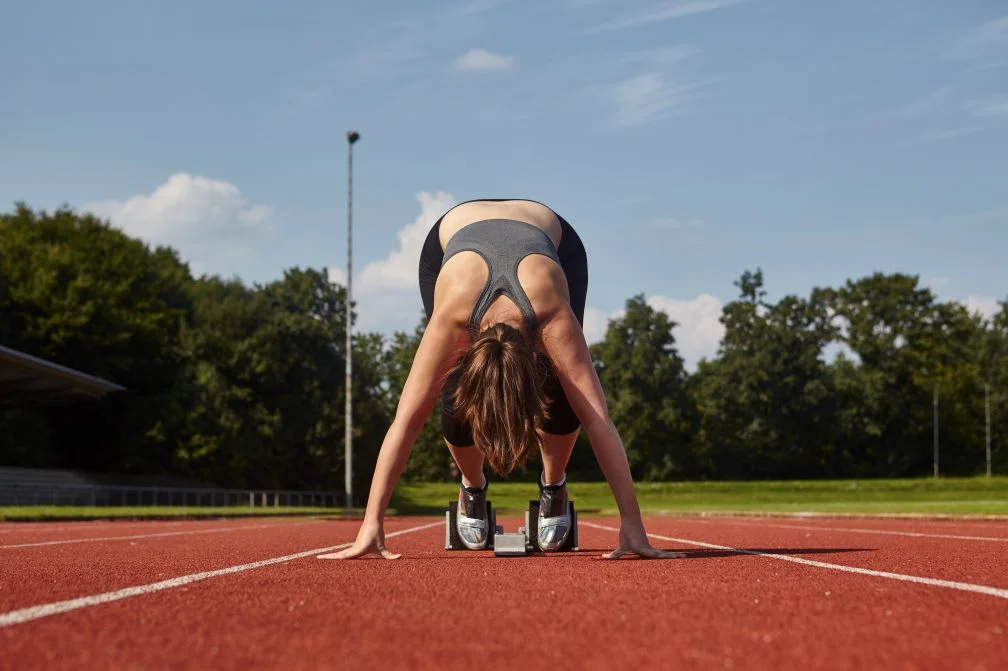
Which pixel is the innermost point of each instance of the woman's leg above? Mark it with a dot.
(471, 521)
(560, 431)
(555, 523)
(470, 463)
(574, 261)
(431, 256)
(556, 452)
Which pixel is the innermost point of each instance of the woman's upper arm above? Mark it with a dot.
(442, 343)
(565, 345)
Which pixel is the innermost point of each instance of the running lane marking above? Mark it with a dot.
(23, 615)
(43, 527)
(889, 532)
(157, 535)
(933, 582)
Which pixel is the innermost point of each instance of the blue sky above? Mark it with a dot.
(686, 140)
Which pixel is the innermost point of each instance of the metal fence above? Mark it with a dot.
(42, 494)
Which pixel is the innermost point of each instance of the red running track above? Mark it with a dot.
(755, 593)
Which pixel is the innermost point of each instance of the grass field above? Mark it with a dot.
(986, 496)
(944, 496)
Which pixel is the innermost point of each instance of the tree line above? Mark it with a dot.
(243, 385)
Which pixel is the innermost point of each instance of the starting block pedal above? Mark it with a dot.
(452, 540)
(518, 544)
(511, 545)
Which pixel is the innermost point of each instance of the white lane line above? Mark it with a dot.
(157, 535)
(888, 532)
(934, 582)
(43, 527)
(45, 610)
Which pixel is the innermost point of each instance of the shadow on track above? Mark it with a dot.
(741, 552)
(593, 553)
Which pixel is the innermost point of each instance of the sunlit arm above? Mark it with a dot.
(442, 342)
(565, 345)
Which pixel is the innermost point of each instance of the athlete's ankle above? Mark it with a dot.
(559, 483)
(473, 487)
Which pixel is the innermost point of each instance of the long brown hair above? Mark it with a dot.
(500, 396)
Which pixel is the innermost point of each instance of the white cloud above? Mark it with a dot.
(983, 39)
(698, 332)
(930, 102)
(996, 214)
(386, 290)
(665, 11)
(336, 275)
(986, 306)
(668, 55)
(398, 271)
(994, 107)
(206, 220)
(833, 350)
(647, 97)
(478, 60)
(948, 134)
(595, 323)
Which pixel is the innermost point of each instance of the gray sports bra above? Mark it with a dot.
(502, 243)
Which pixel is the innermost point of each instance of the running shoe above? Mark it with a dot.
(554, 515)
(471, 519)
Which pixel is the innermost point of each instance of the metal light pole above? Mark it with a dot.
(936, 430)
(987, 422)
(352, 136)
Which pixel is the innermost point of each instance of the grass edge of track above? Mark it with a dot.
(971, 497)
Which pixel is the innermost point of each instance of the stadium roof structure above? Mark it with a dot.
(24, 377)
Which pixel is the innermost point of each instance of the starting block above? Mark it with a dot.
(519, 544)
(510, 545)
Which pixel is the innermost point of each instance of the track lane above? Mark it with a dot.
(55, 531)
(34, 575)
(975, 561)
(993, 531)
(435, 609)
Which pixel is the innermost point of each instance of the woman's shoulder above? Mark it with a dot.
(528, 211)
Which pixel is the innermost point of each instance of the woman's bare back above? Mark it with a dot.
(527, 211)
(540, 277)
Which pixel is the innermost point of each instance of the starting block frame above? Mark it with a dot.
(515, 544)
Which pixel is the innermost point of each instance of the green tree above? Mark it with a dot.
(905, 343)
(644, 381)
(767, 400)
(85, 295)
(266, 366)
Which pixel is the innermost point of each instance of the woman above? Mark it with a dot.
(503, 284)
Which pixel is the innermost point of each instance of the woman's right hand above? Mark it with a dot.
(370, 540)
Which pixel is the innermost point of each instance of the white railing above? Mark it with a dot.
(42, 494)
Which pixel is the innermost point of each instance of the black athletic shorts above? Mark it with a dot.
(574, 261)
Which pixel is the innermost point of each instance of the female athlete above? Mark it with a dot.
(503, 284)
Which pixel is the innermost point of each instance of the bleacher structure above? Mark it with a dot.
(50, 487)
(29, 379)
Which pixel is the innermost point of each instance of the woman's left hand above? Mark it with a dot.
(633, 538)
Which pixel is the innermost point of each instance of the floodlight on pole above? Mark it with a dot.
(352, 137)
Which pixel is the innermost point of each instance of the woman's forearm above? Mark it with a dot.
(392, 458)
(612, 459)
